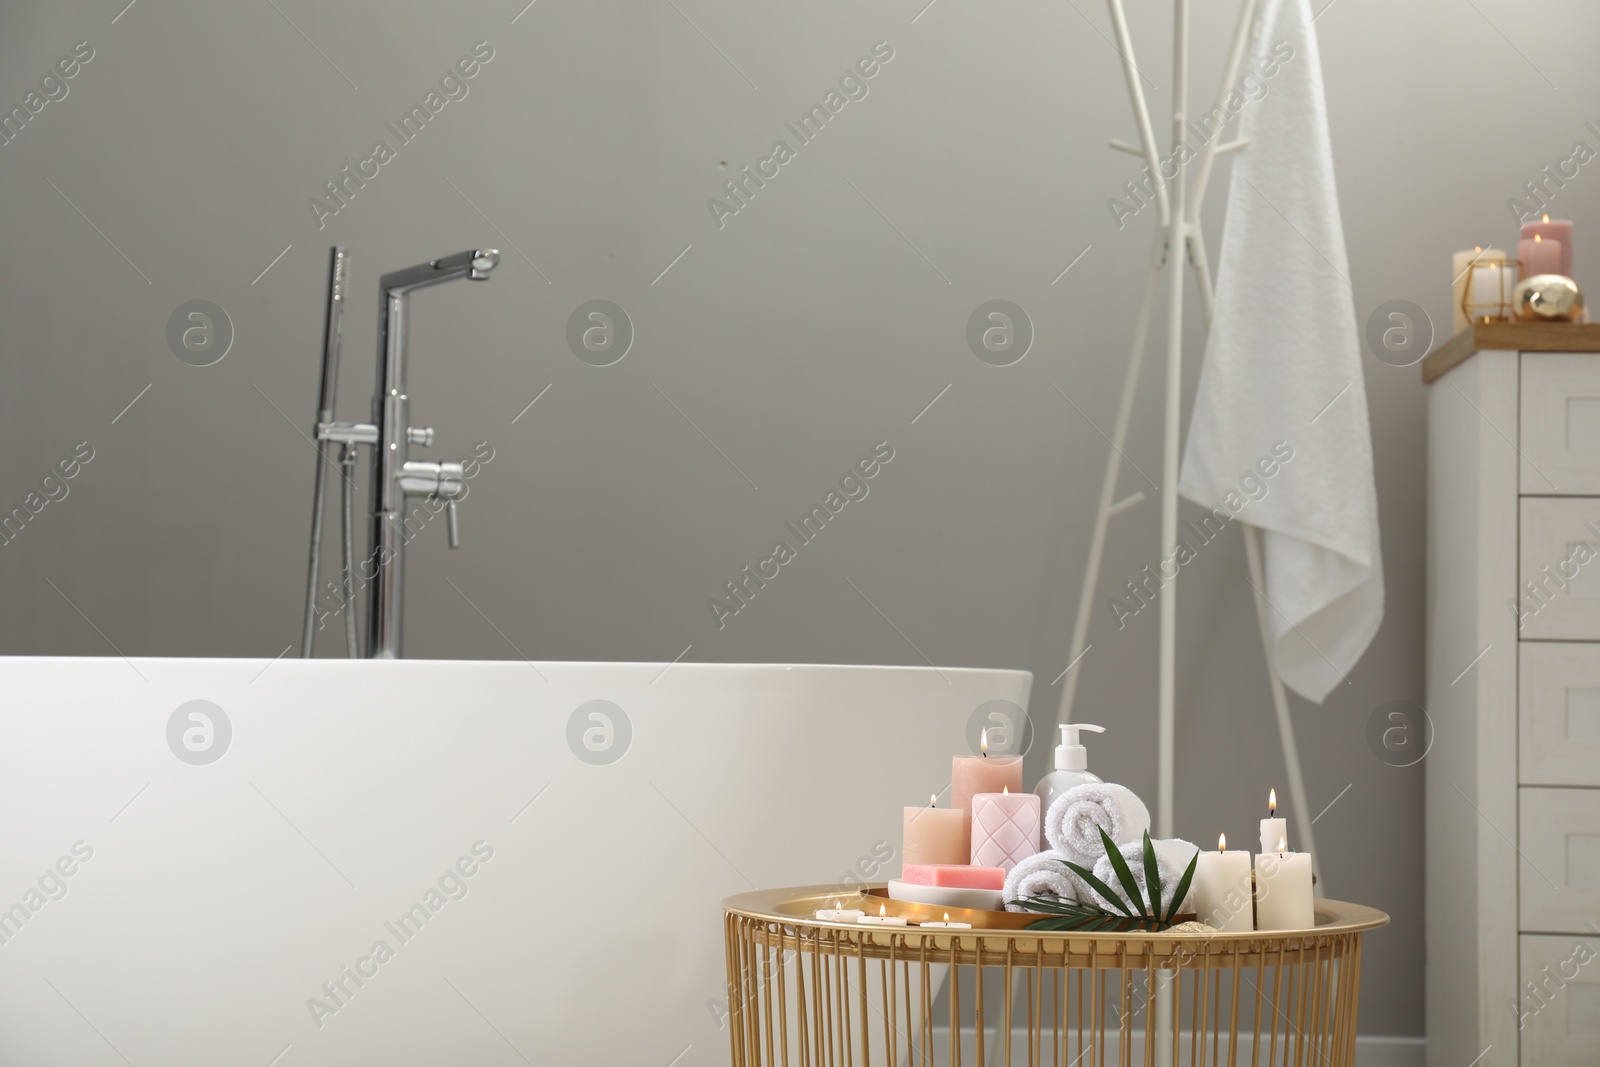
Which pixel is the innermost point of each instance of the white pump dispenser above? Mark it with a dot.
(1072, 766)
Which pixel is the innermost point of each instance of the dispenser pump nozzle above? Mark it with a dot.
(1071, 755)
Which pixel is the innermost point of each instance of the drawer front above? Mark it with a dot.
(1560, 402)
(1558, 713)
(1558, 1009)
(1559, 839)
(1558, 579)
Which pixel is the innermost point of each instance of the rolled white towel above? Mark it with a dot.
(1044, 874)
(1072, 825)
(1172, 859)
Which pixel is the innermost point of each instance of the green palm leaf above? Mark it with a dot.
(1152, 877)
(1183, 888)
(1124, 875)
(1100, 887)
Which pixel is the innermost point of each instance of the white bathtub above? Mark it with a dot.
(162, 911)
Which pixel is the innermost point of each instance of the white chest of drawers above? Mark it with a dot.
(1513, 691)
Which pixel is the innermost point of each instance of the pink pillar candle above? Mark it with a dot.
(1552, 230)
(1005, 829)
(1540, 255)
(934, 835)
(971, 775)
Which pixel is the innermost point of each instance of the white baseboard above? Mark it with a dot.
(1372, 1051)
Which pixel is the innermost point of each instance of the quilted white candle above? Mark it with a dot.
(1005, 829)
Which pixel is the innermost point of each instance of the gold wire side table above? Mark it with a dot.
(811, 993)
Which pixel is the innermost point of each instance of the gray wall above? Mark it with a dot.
(821, 319)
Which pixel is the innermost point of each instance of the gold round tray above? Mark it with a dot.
(799, 905)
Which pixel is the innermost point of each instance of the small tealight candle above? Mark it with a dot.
(1222, 888)
(883, 918)
(1283, 890)
(948, 925)
(1273, 829)
(839, 913)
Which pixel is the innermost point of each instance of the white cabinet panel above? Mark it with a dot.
(1560, 423)
(1558, 583)
(1558, 718)
(1560, 866)
(1558, 1006)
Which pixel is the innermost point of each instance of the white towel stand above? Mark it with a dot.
(1179, 214)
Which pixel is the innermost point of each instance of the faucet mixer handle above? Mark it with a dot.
(453, 522)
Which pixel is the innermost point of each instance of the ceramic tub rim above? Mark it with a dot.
(288, 660)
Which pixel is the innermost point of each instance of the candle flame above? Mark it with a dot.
(947, 916)
(838, 904)
(933, 800)
(1222, 842)
(1538, 237)
(1272, 801)
(1477, 248)
(1283, 843)
(1547, 218)
(1005, 789)
(883, 909)
(983, 741)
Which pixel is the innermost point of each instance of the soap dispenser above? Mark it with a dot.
(1072, 765)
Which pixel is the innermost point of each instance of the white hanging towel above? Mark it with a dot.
(1283, 364)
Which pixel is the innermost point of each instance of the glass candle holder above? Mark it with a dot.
(1490, 292)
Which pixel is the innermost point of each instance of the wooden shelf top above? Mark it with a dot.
(1510, 336)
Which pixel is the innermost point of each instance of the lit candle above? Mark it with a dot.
(1553, 230)
(934, 835)
(839, 913)
(1283, 890)
(1273, 829)
(1489, 289)
(1005, 828)
(971, 775)
(948, 925)
(1540, 256)
(1222, 888)
(1460, 271)
(883, 918)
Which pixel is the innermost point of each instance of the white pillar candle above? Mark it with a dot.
(839, 913)
(1222, 889)
(1273, 830)
(1460, 270)
(1283, 891)
(948, 925)
(1005, 829)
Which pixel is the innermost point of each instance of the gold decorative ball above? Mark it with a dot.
(1547, 298)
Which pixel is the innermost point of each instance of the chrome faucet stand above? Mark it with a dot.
(396, 478)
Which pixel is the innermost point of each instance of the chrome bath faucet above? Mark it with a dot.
(396, 478)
